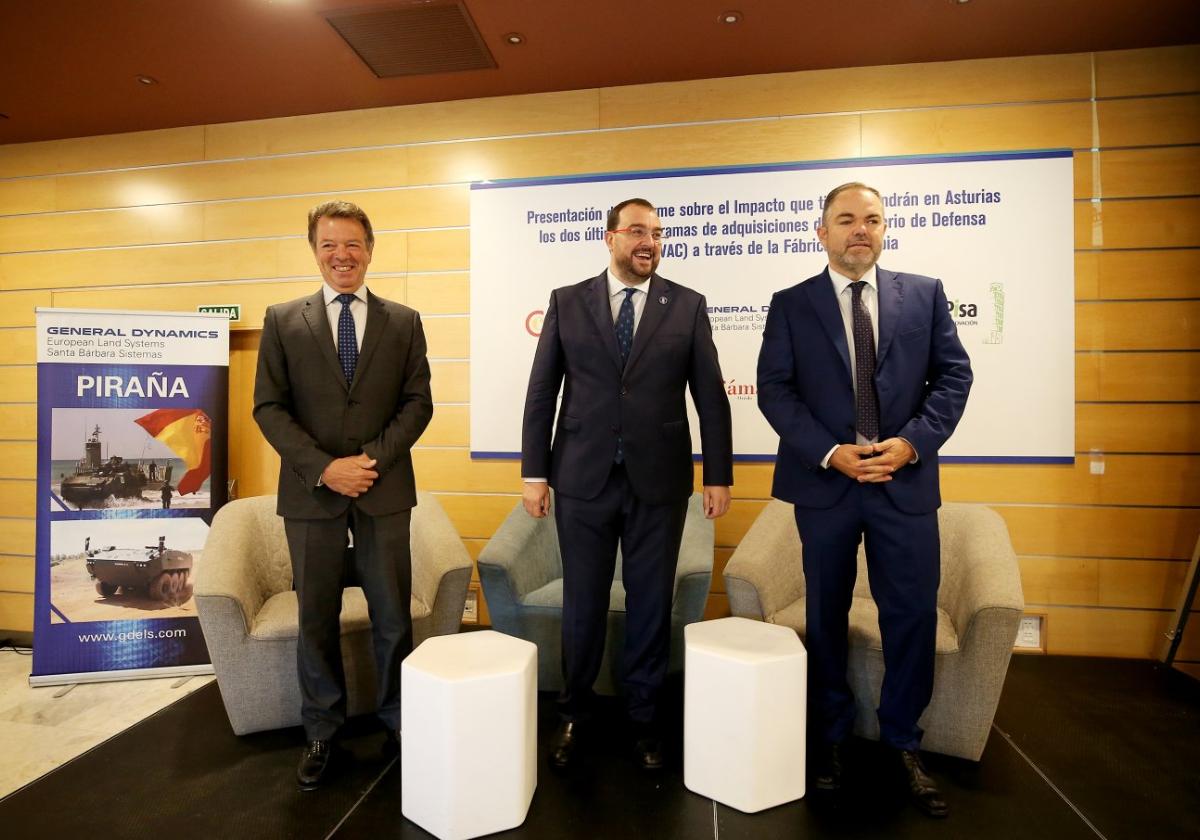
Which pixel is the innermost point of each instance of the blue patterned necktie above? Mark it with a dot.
(866, 401)
(624, 325)
(624, 329)
(347, 341)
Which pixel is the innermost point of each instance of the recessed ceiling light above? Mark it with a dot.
(146, 80)
(729, 18)
(514, 39)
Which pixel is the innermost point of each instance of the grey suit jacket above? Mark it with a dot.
(311, 415)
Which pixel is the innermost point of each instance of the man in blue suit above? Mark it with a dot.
(864, 378)
(623, 347)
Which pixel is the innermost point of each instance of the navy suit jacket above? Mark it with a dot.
(644, 403)
(806, 389)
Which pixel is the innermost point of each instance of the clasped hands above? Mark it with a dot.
(351, 476)
(874, 463)
(535, 496)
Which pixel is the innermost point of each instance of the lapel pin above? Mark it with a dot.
(663, 300)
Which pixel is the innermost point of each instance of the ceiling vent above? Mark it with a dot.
(431, 36)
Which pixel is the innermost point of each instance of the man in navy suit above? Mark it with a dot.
(623, 346)
(864, 378)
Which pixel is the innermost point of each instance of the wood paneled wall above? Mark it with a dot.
(215, 214)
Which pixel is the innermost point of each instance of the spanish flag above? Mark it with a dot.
(188, 432)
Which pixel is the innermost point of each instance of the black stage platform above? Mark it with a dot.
(1081, 748)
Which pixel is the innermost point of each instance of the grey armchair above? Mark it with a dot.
(521, 572)
(248, 609)
(979, 607)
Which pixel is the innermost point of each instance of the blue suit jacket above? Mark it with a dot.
(806, 389)
(643, 402)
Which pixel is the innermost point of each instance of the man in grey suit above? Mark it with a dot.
(342, 394)
(623, 346)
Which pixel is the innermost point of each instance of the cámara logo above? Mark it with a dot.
(533, 322)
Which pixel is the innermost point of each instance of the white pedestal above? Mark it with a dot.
(744, 707)
(469, 745)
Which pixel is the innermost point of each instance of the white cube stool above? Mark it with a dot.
(743, 713)
(468, 714)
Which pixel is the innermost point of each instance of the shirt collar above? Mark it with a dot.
(332, 293)
(615, 286)
(841, 281)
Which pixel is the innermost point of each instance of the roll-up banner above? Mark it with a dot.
(131, 467)
(997, 229)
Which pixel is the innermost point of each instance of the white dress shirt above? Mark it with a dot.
(358, 311)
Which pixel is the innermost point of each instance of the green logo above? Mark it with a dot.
(997, 334)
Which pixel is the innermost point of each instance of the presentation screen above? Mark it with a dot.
(997, 229)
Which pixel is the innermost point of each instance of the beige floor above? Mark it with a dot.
(43, 728)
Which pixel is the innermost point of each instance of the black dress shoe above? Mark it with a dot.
(827, 768)
(391, 743)
(564, 744)
(648, 752)
(313, 764)
(921, 788)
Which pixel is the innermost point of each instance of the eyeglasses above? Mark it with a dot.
(639, 232)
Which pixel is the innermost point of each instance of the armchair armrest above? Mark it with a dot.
(693, 571)
(437, 552)
(764, 575)
(987, 574)
(524, 552)
(228, 568)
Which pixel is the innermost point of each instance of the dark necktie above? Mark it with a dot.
(624, 325)
(624, 328)
(347, 342)
(866, 401)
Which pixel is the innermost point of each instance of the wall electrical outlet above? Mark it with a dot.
(1030, 633)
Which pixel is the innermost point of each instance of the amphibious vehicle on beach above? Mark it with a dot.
(158, 571)
(96, 479)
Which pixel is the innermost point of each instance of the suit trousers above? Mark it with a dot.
(589, 531)
(381, 563)
(904, 570)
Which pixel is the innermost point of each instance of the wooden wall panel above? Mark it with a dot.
(26, 195)
(1138, 325)
(451, 382)
(18, 459)
(1026, 79)
(440, 294)
(439, 250)
(16, 573)
(1102, 582)
(1149, 71)
(496, 116)
(1135, 275)
(1138, 223)
(16, 536)
(448, 336)
(450, 426)
(18, 421)
(1168, 533)
(1136, 427)
(16, 612)
(290, 175)
(1137, 377)
(17, 497)
(648, 148)
(1099, 632)
(18, 383)
(102, 228)
(1126, 480)
(111, 151)
(1052, 126)
(17, 309)
(1164, 121)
